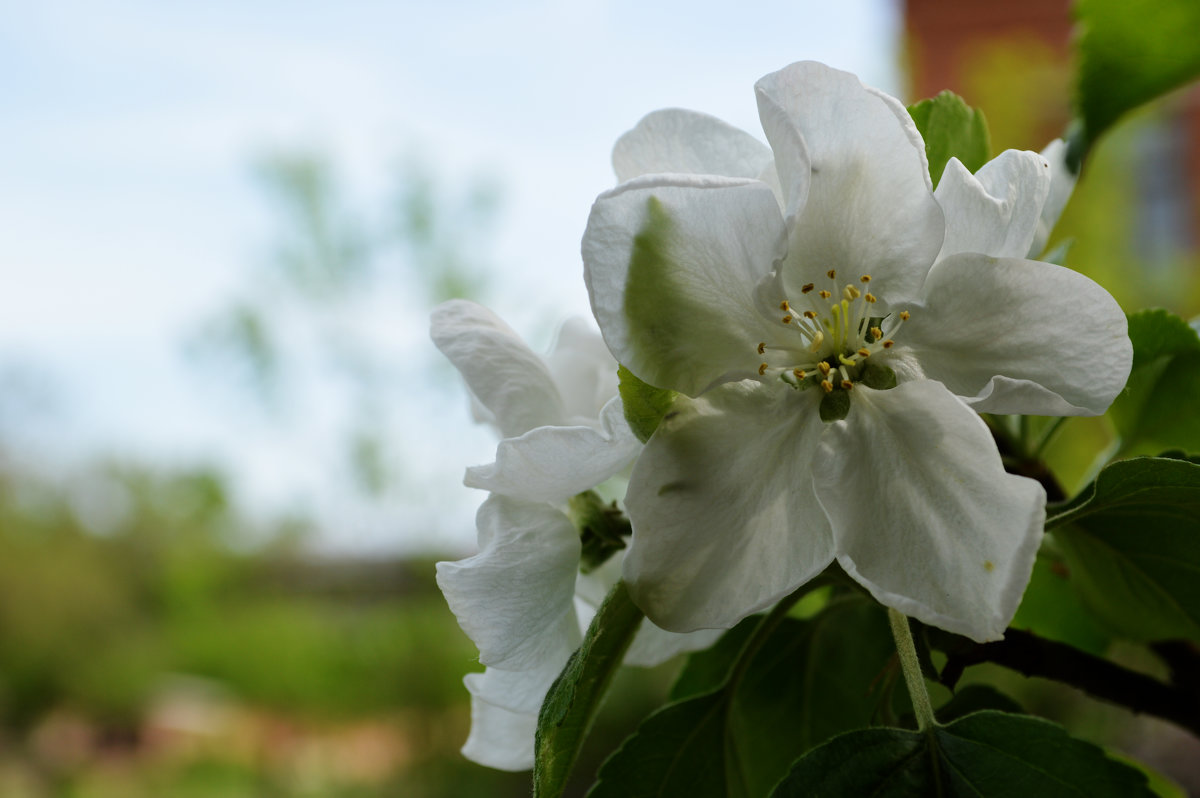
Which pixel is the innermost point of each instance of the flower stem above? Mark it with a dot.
(913, 677)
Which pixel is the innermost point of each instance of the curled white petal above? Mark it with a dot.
(506, 376)
(551, 464)
(525, 544)
(1019, 336)
(500, 738)
(997, 210)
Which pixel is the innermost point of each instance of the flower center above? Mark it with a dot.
(834, 335)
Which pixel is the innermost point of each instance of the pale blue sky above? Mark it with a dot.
(128, 215)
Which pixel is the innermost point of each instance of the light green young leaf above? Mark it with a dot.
(571, 704)
(984, 755)
(1131, 542)
(1128, 53)
(644, 404)
(1158, 409)
(951, 128)
(1052, 608)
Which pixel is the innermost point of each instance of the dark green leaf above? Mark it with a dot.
(644, 404)
(1158, 333)
(985, 755)
(808, 681)
(1129, 52)
(1132, 547)
(951, 128)
(1159, 408)
(573, 699)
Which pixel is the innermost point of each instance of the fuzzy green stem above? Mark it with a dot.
(913, 677)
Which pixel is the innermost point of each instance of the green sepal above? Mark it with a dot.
(877, 376)
(986, 754)
(572, 701)
(951, 128)
(644, 404)
(835, 405)
(602, 528)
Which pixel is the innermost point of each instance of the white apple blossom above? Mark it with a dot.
(522, 599)
(834, 325)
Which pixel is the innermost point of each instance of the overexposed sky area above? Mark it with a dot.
(128, 213)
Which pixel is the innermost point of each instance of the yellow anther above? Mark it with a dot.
(888, 344)
(866, 278)
(762, 369)
(864, 352)
(870, 297)
(827, 385)
(799, 374)
(808, 314)
(824, 368)
(807, 287)
(784, 305)
(904, 315)
(850, 292)
(786, 319)
(845, 361)
(824, 295)
(847, 385)
(832, 274)
(762, 348)
(876, 333)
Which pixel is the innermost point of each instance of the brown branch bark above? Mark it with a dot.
(1028, 654)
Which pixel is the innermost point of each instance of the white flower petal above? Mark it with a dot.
(996, 211)
(677, 141)
(551, 464)
(869, 208)
(725, 521)
(1019, 336)
(499, 738)
(1062, 183)
(583, 370)
(513, 598)
(671, 264)
(504, 374)
(653, 646)
(923, 513)
(516, 691)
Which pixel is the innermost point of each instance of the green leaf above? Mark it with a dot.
(951, 128)
(1131, 542)
(1129, 52)
(644, 404)
(1052, 608)
(572, 701)
(1158, 408)
(804, 682)
(984, 755)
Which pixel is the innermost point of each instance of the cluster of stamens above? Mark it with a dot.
(839, 332)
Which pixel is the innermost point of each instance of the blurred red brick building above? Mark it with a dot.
(1013, 60)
